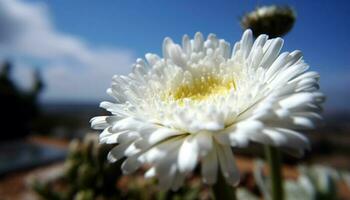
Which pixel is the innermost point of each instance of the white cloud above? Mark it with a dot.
(73, 68)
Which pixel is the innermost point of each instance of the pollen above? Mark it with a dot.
(202, 88)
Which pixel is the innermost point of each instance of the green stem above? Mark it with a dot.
(223, 191)
(274, 159)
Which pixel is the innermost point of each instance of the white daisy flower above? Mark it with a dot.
(201, 99)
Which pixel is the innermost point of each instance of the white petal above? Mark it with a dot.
(99, 122)
(150, 173)
(260, 41)
(161, 134)
(261, 138)
(166, 43)
(127, 136)
(296, 100)
(188, 155)
(295, 140)
(238, 134)
(304, 122)
(272, 52)
(198, 42)
(106, 132)
(116, 109)
(278, 138)
(224, 49)
(228, 166)
(186, 44)
(209, 167)
(281, 60)
(130, 165)
(246, 42)
(175, 53)
(152, 59)
(204, 142)
(161, 150)
(117, 152)
(166, 171)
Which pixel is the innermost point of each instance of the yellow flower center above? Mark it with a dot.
(202, 88)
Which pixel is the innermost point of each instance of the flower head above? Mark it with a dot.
(201, 99)
(275, 21)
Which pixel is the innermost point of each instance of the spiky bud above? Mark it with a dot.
(275, 21)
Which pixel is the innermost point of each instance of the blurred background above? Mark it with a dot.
(57, 59)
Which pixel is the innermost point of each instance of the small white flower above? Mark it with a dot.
(201, 99)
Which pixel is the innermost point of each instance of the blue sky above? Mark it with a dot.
(321, 31)
(136, 27)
